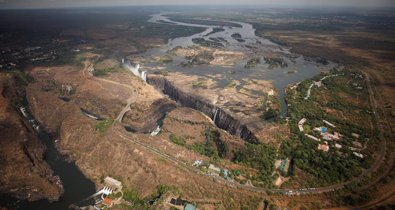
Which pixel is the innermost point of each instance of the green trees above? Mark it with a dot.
(179, 141)
(214, 146)
(23, 78)
(213, 136)
(270, 114)
(336, 165)
(259, 156)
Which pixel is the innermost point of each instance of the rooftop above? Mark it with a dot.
(189, 207)
(113, 182)
(107, 201)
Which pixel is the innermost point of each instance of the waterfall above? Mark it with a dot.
(135, 70)
(144, 76)
(215, 115)
(156, 131)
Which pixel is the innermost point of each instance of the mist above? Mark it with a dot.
(15, 4)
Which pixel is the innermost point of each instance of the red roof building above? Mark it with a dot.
(107, 202)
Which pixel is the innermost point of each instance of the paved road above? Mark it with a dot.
(124, 110)
(124, 135)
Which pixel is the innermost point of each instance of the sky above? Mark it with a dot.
(87, 3)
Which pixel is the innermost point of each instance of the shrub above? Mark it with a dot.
(179, 141)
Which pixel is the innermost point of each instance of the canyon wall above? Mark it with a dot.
(147, 120)
(222, 118)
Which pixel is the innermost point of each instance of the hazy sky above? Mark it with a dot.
(78, 3)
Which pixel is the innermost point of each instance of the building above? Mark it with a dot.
(212, 168)
(197, 163)
(226, 173)
(357, 144)
(328, 123)
(107, 202)
(178, 202)
(324, 147)
(189, 207)
(356, 135)
(113, 183)
(312, 137)
(300, 124)
(358, 154)
(271, 92)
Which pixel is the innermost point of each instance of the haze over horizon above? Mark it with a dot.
(22, 4)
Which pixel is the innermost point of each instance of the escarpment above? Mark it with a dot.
(221, 117)
(147, 120)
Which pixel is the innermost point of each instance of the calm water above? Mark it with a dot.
(301, 68)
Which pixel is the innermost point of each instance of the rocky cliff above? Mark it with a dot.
(221, 117)
(24, 173)
(146, 120)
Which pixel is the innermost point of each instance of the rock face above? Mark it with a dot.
(146, 121)
(24, 173)
(222, 118)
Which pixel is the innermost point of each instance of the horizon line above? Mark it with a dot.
(269, 6)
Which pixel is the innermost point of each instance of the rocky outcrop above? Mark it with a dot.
(147, 120)
(221, 117)
(24, 173)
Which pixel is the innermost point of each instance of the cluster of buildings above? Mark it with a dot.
(10, 58)
(326, 137)
(212, 169)
(111, 186)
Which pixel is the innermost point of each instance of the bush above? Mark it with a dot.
(270, 114)
(179, 141)
(103, 126)
(214, 147)
(259, 156)
(215, 136)
(23, 78)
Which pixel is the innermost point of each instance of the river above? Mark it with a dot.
(299, 68)
(76, 186)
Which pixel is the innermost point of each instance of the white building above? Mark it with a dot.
(312, 137)
(214, 169)
(301, 123)
(358, 154)
(113, 183)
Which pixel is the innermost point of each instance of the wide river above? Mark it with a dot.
(299, 68)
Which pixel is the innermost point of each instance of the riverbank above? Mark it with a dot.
(25, 174)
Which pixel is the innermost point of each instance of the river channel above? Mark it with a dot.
(76, 186)
(298, 67)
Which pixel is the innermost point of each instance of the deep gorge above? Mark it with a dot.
(222, 119)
